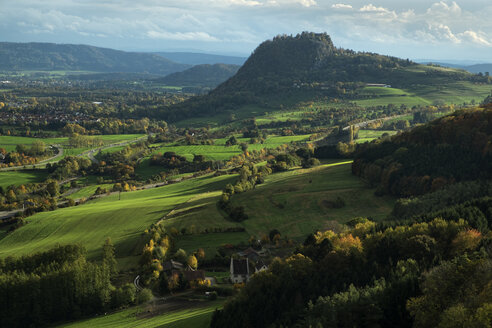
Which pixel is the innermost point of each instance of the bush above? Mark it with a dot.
(144, 296)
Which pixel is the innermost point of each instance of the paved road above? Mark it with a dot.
(89, 153)
(365, 123)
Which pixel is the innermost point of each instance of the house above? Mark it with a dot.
(239, 270)
(381, 85)
(194, 275)
(250, 253)
(260, 266)
(170, 267)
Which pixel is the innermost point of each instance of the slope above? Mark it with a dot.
(50, 56)
(90, 224)
(195, 58)
(201, 75)
(290, 69)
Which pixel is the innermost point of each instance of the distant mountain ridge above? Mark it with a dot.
(51, 57)
(474, 68)
(194, 58)
(201, 75)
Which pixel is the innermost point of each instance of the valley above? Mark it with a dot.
(310, 186)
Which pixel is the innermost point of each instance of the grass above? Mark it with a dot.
(90, 224)
(369, 135)
(197, 317)
(218, 151)
(295, 202)
(210, 242)
(448, 93)
(86, 192)
(17, 178)
(9, 142)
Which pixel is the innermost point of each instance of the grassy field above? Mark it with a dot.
(296, 202)
(9, 142)
(197, 317)
(369, 135)
(90, 224)
(451, 93)
(210, 242)
(88, 191)
(17, 178)
(218, 151)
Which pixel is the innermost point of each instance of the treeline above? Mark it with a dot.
(58, 285)
(362, 277)
(454, 148)
(173, 161)
(24, 155)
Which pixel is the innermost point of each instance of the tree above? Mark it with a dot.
(192, 262)
(109, 260)
(38, 147)
(144, 296)
(244, 146)
(232, 141)
(52, 188)
(11, 197)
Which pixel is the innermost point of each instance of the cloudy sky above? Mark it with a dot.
(416, 29)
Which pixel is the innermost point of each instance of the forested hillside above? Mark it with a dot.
(201, 75)
(428, 265)
(308, 66)
(56, 57)
(454, 148)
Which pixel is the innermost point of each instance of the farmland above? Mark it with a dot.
(295, 202)
(17, 178)
(9, 142)
(90, 224)
(369, 135)
(197, 317)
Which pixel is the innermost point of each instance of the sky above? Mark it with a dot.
(415, 29)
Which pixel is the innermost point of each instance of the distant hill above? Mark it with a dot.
(51, 57)
(290, 69)
(479, 68)
(201, 75)
(475, 68)
(192, 58)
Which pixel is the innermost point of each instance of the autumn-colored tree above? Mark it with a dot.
(192, 262)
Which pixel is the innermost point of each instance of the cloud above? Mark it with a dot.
(308, 3)
(240, 25)
(438, 33)
(474, 37)
(442, 8)
(188, 36)
(341, 6)
(371, 8)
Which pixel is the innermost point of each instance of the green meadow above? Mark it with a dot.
(369, 135)
(210, 241)
(196, 317)
(90, 224)
(425, 95)
(18, 178)
(296, 202)
(217, 151)
(9, 142)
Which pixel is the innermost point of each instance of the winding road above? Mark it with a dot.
(56, 158)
